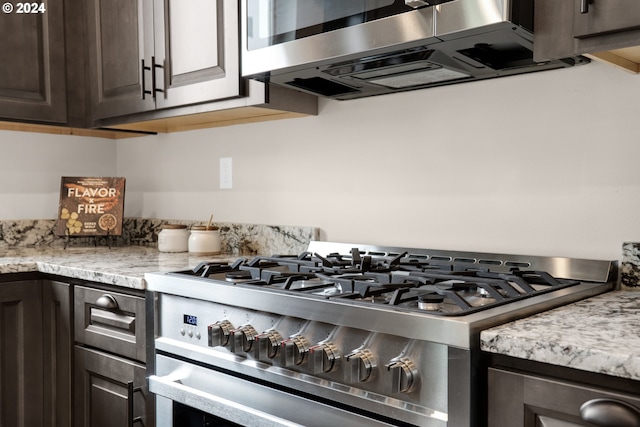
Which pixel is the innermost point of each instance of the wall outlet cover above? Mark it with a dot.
(226, 173)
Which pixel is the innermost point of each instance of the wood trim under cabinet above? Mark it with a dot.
(627, 59)
(62, 130)
(210, 120)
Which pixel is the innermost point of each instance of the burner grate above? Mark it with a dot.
(398, 279)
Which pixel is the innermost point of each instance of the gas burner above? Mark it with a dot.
(329, 291)
(430, 302)
(237, 276)
(484, 293)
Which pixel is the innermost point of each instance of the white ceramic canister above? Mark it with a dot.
(204, 240)
(173, 238)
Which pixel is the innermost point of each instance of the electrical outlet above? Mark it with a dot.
(226, 173)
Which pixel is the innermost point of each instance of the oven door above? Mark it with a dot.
(279, 34)
(190, 395)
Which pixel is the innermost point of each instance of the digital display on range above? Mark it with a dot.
(190, 319)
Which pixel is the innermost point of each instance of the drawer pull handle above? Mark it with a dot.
(610, 413)
(107, 301)
(108, 319)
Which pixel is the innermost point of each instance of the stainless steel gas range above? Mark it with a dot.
(344, 334)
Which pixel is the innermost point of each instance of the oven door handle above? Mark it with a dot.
(171, 388)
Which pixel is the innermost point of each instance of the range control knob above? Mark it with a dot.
(267, 345)
(219, 333)
(323, 357)
(361, 365)
(293, 350)
(404, 374)
(242, 339)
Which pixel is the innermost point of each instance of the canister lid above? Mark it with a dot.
(173, 226)
(204, 227)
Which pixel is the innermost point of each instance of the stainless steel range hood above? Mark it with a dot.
(453, 42)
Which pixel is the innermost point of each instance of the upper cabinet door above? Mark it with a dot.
(602, 16)
(120, 38)
(32, 74)
(197, 46)
(152, 54)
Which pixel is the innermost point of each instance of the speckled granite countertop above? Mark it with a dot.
(600, 334)
(120, 266)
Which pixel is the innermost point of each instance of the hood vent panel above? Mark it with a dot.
(321, 86)
(420, 78)
(500, 56)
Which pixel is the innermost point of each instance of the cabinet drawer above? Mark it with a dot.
(110, 321)
(518, 399)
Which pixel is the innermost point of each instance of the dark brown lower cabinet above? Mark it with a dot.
(58, 345)
(35, 353)
(526, 400)
(21, 356)
(109, 390)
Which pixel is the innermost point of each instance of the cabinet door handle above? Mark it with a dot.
(144, 84)
(584, 5)
(130, 418)
(153, 76)
(610, 413)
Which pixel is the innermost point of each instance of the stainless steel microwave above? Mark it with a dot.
(350, 49)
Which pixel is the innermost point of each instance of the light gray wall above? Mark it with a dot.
(544, 163)
(31, 165)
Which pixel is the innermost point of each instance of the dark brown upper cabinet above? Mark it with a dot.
(33, 70)
(147, 55)
(197, 43)
(95, 67)
(600, 29)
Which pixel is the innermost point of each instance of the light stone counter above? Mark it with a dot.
(600, 334)
(120, 266)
